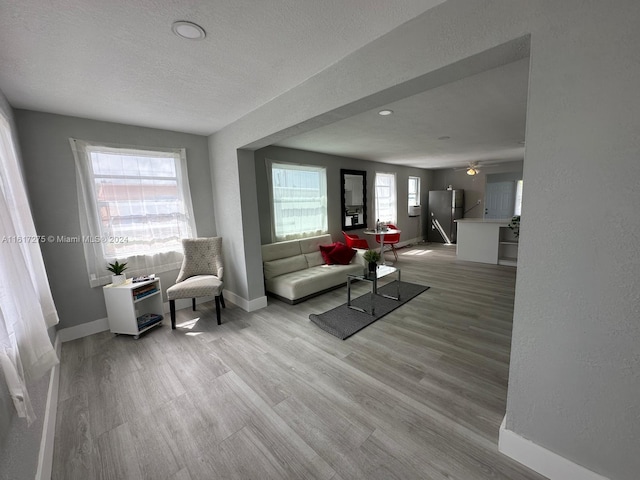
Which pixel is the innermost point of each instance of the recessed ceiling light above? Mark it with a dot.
(188, 30)
(385, 112)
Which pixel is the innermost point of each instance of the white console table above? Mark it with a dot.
(486, 241)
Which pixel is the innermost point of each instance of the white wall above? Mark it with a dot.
(575, 373)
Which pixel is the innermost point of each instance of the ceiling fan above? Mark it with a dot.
(473, 168)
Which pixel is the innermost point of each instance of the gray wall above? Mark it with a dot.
(19, 443)
(574, 376)
(473, 186)
(51, 182)
(411, 227)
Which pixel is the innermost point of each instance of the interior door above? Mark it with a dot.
(499, 198)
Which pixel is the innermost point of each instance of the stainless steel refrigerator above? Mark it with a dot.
(445, 206)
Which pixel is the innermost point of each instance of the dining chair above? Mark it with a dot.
(391, 239)
(354, 241)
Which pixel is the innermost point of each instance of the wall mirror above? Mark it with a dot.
(353, 186)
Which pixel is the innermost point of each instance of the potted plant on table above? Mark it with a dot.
(117, 269)
(371, 257)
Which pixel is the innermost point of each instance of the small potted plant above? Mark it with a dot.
(117, 269)
(371, 257)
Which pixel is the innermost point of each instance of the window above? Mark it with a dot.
(385, 191)
(135, 206)
(299, 200)
(414, 191)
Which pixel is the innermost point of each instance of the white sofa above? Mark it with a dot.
(295, 270)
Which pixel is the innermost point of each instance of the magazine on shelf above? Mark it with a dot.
(148, 319)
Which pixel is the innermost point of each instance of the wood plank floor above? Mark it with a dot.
(419, 394)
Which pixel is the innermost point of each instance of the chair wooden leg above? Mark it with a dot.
(218, 309)
(172, 309)
(222, 301)
(395, 252)
(193, 304)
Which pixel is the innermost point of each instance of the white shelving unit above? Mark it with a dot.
(123, 309)
(508, 248)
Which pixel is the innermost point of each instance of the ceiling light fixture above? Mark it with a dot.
(385, 112)
(472, 171)
(188, 30)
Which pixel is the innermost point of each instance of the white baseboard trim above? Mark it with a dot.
(410, 242)
(45, 457)
(83, 330)
(538, 458)
(246, 305)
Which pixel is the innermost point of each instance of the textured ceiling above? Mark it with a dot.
(117, 60)
(479, 118)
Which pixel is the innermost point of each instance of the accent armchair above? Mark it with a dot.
(200, 275)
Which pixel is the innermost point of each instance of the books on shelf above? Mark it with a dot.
(148, 319)
(145, 290)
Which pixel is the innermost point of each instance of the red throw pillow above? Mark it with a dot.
(341, 254)
(325, 250)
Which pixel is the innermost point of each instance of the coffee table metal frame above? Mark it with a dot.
(381, 271)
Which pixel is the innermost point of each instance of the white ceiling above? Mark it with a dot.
(118, 61)
(483, 117)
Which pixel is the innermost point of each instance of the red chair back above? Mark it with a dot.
(391, 238)
(354, 241)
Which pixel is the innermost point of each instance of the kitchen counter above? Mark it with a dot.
(486, 241)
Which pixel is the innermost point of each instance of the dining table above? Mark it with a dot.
(382, 232)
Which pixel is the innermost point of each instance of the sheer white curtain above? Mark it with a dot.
(386, 210)
(298, 200)
(26, 304)
(135, 207)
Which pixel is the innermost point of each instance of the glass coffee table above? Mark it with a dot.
(372, 278)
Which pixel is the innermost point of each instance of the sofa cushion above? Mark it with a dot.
(341, 254)
(303, 283)
(281, 266)
(311, 244)
(274, 251)
(314, 259)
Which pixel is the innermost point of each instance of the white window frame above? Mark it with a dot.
(98, 244)
(386, 206)
(517, 208)
(278, 232)
(416, 195)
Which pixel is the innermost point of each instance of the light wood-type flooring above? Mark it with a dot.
(419, 394)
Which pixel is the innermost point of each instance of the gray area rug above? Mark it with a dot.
(342, 321)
